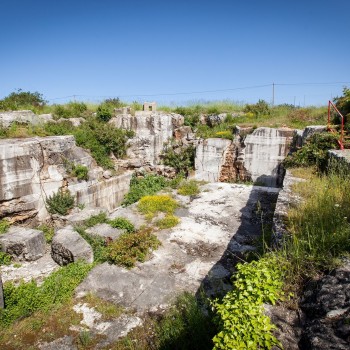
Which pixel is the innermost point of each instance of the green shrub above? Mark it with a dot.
(132, 247)
(4, 226)
(22, 100)
(80, 172)
(179, 158)
(314, 152)
(23, 300)
(240, 315)
(123, 224)
(104, 112)
(5, 259)
(60, 202)
(188, 188)
(70, 110)
(143, 186)
(185, 326)
(151, 205)
(259, 108)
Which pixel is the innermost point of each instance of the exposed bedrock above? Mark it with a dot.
(257, 157)
(7, 118)
(33, 169)
(152, 130)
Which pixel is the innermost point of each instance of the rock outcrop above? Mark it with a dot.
(68, 246)
(27, 117)
(152, 130)
(33, 169)
(23, 243)
(257, 157)
(326, 303)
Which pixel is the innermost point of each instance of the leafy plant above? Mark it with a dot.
(60, 202)
(26, 298)
(81, 172)
(123, 224)
(22, 99)
(188, 188)
(132, 247)
(257, 109)
(181, 158)
(314, 152)
(143, 186)
(4, 226)
(70, 110)
(93, 220)
(5, 259)
(240, 315)
(104, 112)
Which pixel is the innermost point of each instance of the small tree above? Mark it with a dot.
(60, 202)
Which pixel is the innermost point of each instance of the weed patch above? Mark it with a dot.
(4, 226)
(123, 224)
(167, 222)
(132, 247)
(188, 188)
(151, 205)
(143, 186)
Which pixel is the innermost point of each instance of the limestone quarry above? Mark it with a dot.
(244, 189)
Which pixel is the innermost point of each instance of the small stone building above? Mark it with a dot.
(150, 106)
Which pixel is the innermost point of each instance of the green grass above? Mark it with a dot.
(27, 298)
(188, 188)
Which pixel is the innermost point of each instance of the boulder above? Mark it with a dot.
(7, 118)
(68, 246)
(105, 231)
(23, 243)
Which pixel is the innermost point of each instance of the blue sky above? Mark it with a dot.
(97, 48)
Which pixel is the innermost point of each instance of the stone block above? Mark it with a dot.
(23, 243)
(68, 246)
(105, 231)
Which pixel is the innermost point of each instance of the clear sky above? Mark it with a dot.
(97, 48)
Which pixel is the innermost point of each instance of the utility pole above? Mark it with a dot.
(273, 94)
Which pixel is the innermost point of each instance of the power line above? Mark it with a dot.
(203, 91)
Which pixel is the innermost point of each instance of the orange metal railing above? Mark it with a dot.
(341, 140)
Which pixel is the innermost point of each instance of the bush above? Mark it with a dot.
(104, 112)
(261, 108)
(60, 202)
(343, 103)
(70, 110)
(80, 172)
(143, 186)
(181, 158)
(123, 224)
(188, 188)
(314, 152)
(240, 314)
(132, 247)
(22, 100)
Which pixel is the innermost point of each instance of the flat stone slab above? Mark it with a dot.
(105, 231)
(28, 270)
(68, 246)
(192, 254)
(23, 243)
(83, 215)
